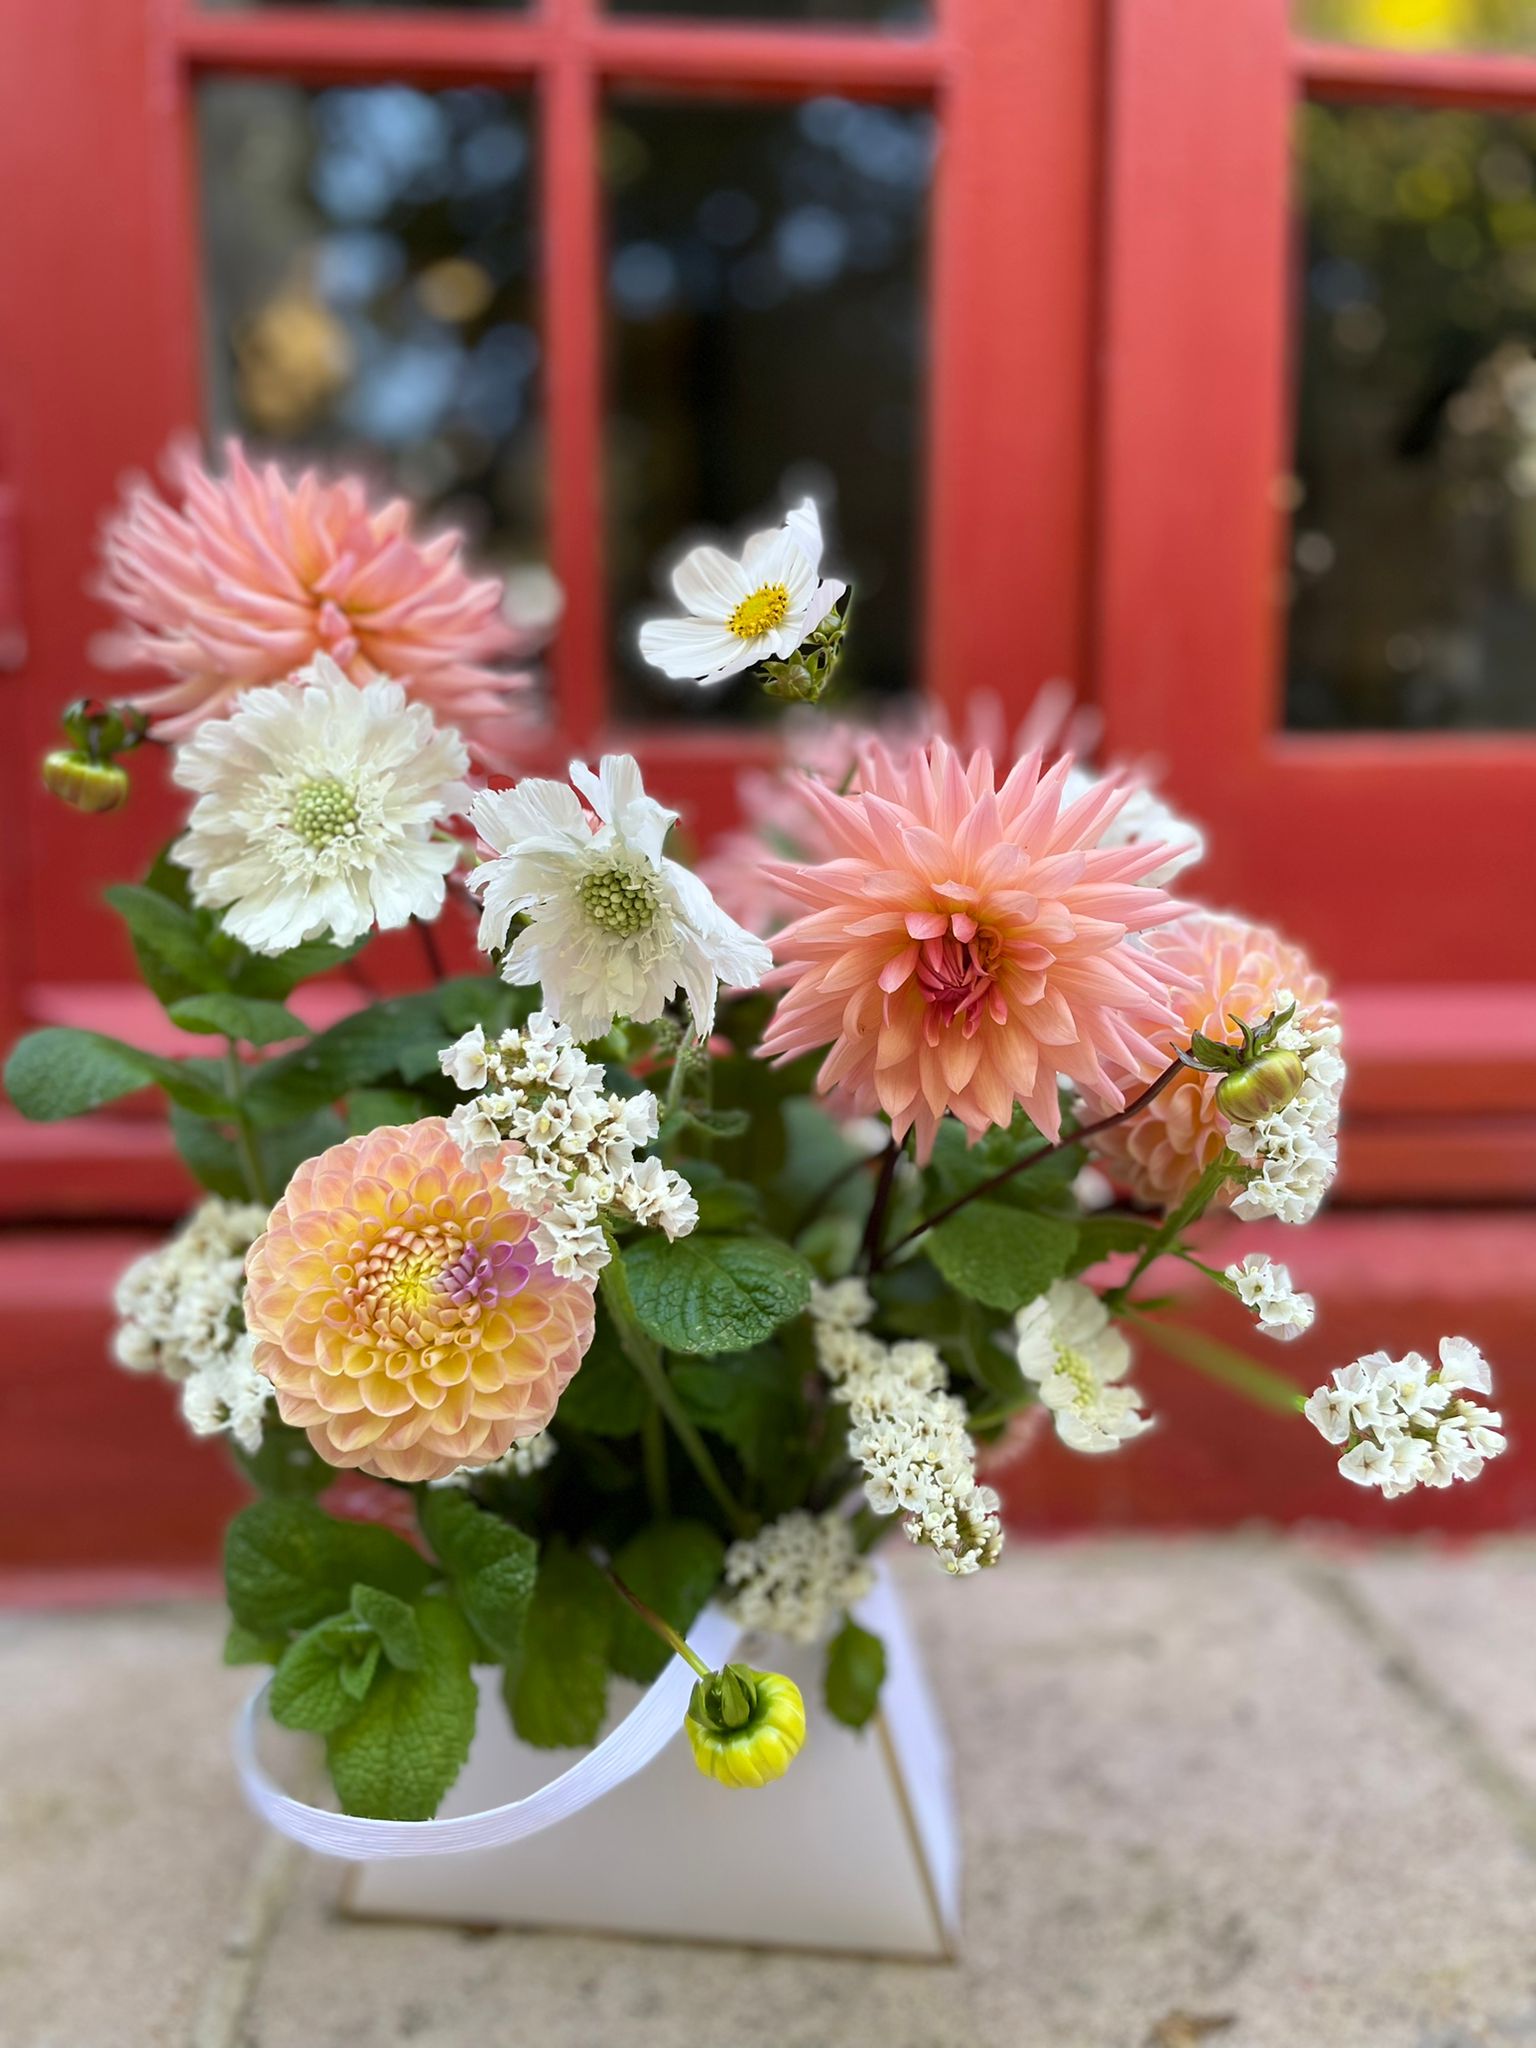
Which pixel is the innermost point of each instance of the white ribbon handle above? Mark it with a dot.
(641, 1735)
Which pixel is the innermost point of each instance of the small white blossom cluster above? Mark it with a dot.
(531, 1454)
(797, 1576)
(1282, 1310)
(566, 1144)
(179, 1315)
(1293, 1155)
(1068, 1345)
(1407, 1423)
(907, 1432)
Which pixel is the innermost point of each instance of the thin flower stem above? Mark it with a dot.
(245, 1130)
(1190, 1210)
(654, 1622)
(1063, 1144)
(874, 1228)
(1230, 1368)
(434, 952)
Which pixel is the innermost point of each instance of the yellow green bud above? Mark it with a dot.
(86, 784)
(745, 1727)
(1260, 1089)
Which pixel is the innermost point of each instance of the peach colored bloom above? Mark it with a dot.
(398, 1310)
(966, 947)
(248, 576)
(1228, 968)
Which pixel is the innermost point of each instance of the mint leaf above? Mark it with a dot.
(999, 1256)
(606, 1398)
(243, 1646)
(401, 1750)
(356, 1678)
(287, 1565)
(398, 1037)
(558, 1691)
(250, 1018)
(751, 1399)
(216, 1163)
(1099, 1237)
(710, 1294)
(308, 1691)
(493, 1566)
(275, 976)
(368, 1108)
(855, 1673)
(59, 1072)
(285, 1464)
(673, 1567)
(394, 1623)
(170, 940)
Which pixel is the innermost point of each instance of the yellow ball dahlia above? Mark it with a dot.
(398, 1309)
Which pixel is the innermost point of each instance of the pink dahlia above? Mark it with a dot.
(248, 576)
(1219, 968)
(398, 1308)
(966, 948)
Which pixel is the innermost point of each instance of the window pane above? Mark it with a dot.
(363, 6)
(1413, 573)
(765, 301)
(368, 256)
(891, 13)
(1422, 24)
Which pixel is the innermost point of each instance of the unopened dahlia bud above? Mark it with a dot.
(745, 1727)
(1261, 1089)
(85, 784)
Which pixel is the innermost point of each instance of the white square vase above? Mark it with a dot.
(855, 1850)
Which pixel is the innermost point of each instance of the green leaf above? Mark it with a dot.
(751, 1399)
(308, 1689)
(170, 941)
(215, 1161)
(398, 1037)
(394, 1623)
(356, 1678)
(493, 1566)
(710, 1294)
(1100, 1237)
(471, 999)
(369, 1108)
(725, 1205)
(245, 1017)
(958, 1167)
(60, 1072)
(999, 1256)
(855, 1674)
(288, 1565)
(606, 1398)
(714, 1123)
(243, 1646)
(275, 976)
(558, 1691)
(673, 1567)
(286, 1465)
(401, 1751)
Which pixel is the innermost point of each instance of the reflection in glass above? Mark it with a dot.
(1422, 24)
(368, 257)
(1413, 542)
(765, 340)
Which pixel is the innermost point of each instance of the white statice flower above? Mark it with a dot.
(613, 928)
(1144, 819)
(1069, 1346)
(739, 613)
(317, 808)
(179, 1315)
(841, 1304)
(910, 1436)
(528, 1455)
(1281, 1310)
(569, 1148)
(1404, 1422)
(1293, 1155)
(796, 1577)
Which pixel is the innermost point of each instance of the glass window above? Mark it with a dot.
(889, 13)
(363, 6)
(368, 254)
(766, 339)
(1422, 24)
(1413, 541)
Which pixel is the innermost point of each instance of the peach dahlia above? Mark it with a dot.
(399, 1311)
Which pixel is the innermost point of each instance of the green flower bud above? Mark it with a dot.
(1261, 1088)
(86, 784)
(745, 1727)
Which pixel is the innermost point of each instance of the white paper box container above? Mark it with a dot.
(854, 1850)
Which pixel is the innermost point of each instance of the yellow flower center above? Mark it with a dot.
(760, 613)
(1074, 1367)
(322, 811)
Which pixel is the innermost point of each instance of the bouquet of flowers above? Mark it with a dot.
(732, 1216)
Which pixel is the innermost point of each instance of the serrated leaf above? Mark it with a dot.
(999, 1256)
(60, 1072)
(854, 1675)
(286, 1465)
(356, 1678)
(558, 1692)
(249, 1018)
(402, 1037)
(493, 1565)
(401, 1751)
(244, 1646)
(711, 1294)
(307, 1687)
(288, 1565)
(673, 1567)
(750, 1399)
(725, 1206)
(606, 1398)
(171, 941)
(393, 1621)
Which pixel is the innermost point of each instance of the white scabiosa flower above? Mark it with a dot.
(796, 1577)
(760, 608)
(316, 807)
(1405, 1423)
(613, 928)
(1070, 1348)
(1265, 1287)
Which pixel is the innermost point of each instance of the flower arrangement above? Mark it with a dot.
(706, 1235)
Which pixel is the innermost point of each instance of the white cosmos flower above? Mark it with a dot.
(1072, 1350)
(315, 811)
(739, 613)
(614, 927)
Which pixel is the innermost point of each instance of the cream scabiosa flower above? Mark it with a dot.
(613, 928)
(760, 608)
(315, 810)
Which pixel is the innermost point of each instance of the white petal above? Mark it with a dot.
(803, 524)
(692, 649)
(708, 583)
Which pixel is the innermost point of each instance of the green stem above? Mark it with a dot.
(1219, 1362)
(245, 1130)
(1190, 1210)
(654, 1622)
